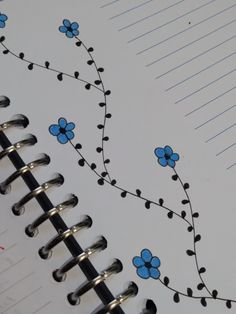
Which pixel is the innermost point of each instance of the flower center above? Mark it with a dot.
(148, 264)
(69, 29)
(167, 156)
(62, 130)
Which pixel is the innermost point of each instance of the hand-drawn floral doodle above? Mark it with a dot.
(146, 265)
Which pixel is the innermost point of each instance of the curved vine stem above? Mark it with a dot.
(125, 191)
(105, 106)
(194, 233)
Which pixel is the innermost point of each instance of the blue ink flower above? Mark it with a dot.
(166, 156)
(70, 29)
(147, 265)
(62, 130)
(3, 19)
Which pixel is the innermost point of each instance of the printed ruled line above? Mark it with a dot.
(197, 56)
(192, 42)
(225, 130)
(108, 4)
(215, 117)
(21, 300)
(169, 22)
(205, 86)
(195, 74)
(3, 232)
(231, 166)
(210, 101)
(42, 307)
(9, 248)
(16, 283)
(185, 30)
(131, 9)
(227, 148)
(11, 266)
(149, 16)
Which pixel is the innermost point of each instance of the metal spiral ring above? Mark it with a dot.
(18, 208)
(60, 274)
(114, 268)
(30, 140)
(5, 186)
(131, 291)
(32, 229)
(18, 121)
(46, 251)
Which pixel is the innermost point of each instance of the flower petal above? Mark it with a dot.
(146, 255)
(138, 261)
(54, 129)
(70, 126)
(143, 272)
(2, 24)
(66, 23)
(74, 25)
(171, 163)
(62, 122)
(159, 152)
(69, 34)
(168, 150)
(62, 29)
(175, 156)
(70, 135)
(75, 32)
(62, 138)
(154, 273)
(3, 18)
(155, 262)
(162, 162)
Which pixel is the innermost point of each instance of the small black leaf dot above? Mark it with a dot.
(107, 161)
(106, 138)
(60, 77)
(138, 192)
(190, 252)
(78, 43)
(21, 55)
(123, 194)
(113, 182)
(76, 74)
(183, 214)
(202, 270)
(99, 149)
(186, 186)
(189, 292)
(87, 86)
(203, 302)
(90, 62)
(228, 304)
(176, 297)
(175, 177)
(97, 82)
(108, 92)
(196, 215)
(166, 281)
(100, 70)
(147, 204)
(30, 66)
(47, 64)
(108, 115)
(81, 162)
(214, 294)
(78, 146)
(170, 215)
(184, 202)
(104, 174)
(161, 201)
(5, 52)
(190, 229)
(200, 286)
(100, 126)
(102, 104)
(93, 166)
(100, 181)
(2, 38)
(90, 49)
(197, 238)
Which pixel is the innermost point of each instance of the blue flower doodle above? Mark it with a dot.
(166, 156)
(3, 19)
(69, 29)
(62, 130)
(147, 265)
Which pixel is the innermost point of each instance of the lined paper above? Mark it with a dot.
(189, 49)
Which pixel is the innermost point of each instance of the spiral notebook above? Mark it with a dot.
(118, 156)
